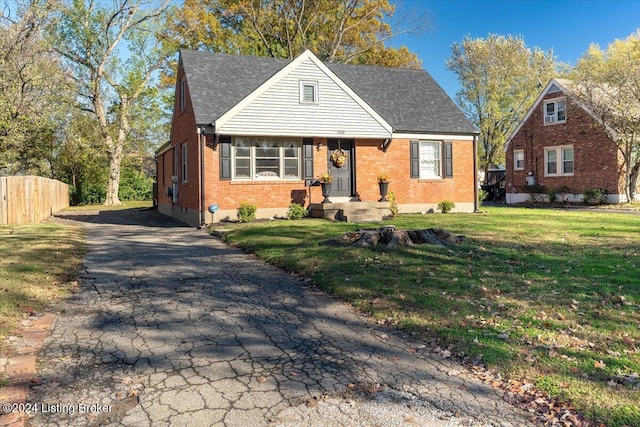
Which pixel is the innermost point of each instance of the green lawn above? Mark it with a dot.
(38, 266)
(546, 296)
(126, 204)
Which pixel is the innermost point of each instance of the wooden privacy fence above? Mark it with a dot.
(30, 199)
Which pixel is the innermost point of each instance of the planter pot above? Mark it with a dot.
(326, 191)
(384, 187)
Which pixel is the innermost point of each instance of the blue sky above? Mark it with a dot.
(567, 27)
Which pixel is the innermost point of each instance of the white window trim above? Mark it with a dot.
(304, 83)
(552, 120)
(184, 165)
(252, 161)
(515, 161)
(559, 160)
(440, 160)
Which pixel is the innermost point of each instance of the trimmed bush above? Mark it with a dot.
(446, 206)
(296, 211)
(247, 212)
(594, 196)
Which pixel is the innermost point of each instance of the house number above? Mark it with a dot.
(340, 132)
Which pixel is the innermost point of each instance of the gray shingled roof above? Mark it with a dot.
(409, 100)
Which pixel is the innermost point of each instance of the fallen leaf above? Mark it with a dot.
(261, 379)
(599, 365)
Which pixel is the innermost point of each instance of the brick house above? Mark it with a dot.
(561, 143)
(262, 130)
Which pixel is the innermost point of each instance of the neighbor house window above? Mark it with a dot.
(430, 159)
(184, 163)
(558, 160)
(555, 111)
(308, 92)
(266, 158)
(518, 159)
(183, 94)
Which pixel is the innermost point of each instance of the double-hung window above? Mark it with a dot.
(555, 111)
(558, 161)
(431, 159)
(266, 158)
(184, 164)
(518, 159)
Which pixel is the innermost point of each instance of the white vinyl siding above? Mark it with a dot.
(264, 158)
(279, 110)
(558, 161)
(518, 160)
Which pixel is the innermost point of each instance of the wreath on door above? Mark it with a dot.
(338, 158)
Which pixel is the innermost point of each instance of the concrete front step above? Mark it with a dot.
(351, 211)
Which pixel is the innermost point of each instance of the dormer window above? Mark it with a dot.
(555, 111)
(308, 92)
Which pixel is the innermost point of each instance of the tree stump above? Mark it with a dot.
(389, 237)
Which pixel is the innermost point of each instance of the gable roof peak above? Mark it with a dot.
(409, 100)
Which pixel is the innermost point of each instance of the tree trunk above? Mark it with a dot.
(632, 183)
(113, 184)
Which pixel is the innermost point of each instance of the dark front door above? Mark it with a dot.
(343, 181)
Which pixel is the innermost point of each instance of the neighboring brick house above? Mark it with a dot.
(561, 143)
(262, 130)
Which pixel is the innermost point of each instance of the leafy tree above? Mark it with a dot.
(500, 78)
(608, 81)
(88, 35)
(79, 160)
(32, 88)
(349, 31)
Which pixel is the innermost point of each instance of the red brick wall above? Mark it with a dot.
(371, 160)
(595, 154)
(265, 194)
(165, 172)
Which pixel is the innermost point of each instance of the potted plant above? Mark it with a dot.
(383, 183)
(325, 182)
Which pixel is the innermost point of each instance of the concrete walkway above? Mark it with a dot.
(173, 327)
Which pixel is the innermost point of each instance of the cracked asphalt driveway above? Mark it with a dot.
(173, 327)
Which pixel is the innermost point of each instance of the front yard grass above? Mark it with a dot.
(38, 264)
(549, 297)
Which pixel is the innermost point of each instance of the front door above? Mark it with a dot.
(343, 181)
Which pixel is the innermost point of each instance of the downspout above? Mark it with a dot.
(201, 138)
(476, 208)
